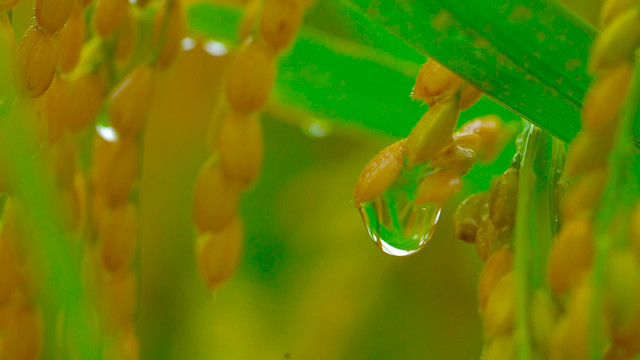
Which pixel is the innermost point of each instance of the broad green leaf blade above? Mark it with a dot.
(365, 84)
(529, 55)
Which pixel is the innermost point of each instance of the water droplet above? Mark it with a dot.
(188, 43)
(215, 48)
(317, 128)
(107, 133)
(394, 223)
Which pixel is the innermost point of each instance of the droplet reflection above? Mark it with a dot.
(395, 224)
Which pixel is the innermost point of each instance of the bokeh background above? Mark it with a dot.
(311, 284)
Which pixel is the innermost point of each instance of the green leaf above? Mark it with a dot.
(365, 84)
(529, 55)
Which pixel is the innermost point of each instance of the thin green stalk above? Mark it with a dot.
(534, 227)
(526, 180)
(558, 158)
(546, 164)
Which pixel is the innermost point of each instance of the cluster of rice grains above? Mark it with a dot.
(590, 291)
(66, 73)
(571, 312)
(400, 193)
(566, 317)
(236, 135)
(21, 327)
(488, 219)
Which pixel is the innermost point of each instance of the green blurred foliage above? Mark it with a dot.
(311, 284)
(340, 70)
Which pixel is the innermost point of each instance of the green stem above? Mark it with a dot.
(534, 226)
(557, 176)
(547, 162)
(526, 179)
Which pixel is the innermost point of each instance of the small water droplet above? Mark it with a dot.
(395, 224)
(215, 48)
(107, 133)
(188, 43)
(317, 128)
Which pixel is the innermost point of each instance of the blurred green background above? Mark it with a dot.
(311, 284)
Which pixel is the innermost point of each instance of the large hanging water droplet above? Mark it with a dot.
(394, 223)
